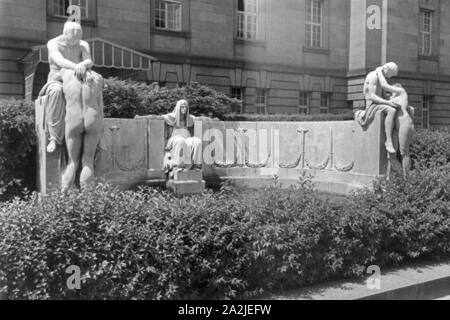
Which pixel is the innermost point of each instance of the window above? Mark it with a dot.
(237, 93)
(426, 105)
(324, 103)
(314, 23)
(247, 19)
(426, 29)
(60, 8)
(303, 102)
(168, 15)
(261, 101)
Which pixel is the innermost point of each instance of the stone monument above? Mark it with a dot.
(70, 109)
(183, 152)
(398, 114)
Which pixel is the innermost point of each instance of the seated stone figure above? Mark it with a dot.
(375, 102)
(65, 52)
(183, 150)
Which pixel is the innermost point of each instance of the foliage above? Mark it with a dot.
(430, 147)
(17, 148)
(289, 117)
(126, 99)
(149, 244)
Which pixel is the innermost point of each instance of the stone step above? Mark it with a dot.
(188, 175)
(186, 187)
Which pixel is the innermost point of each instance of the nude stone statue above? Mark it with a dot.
(74, 111)
(403, 125)
(374, 103)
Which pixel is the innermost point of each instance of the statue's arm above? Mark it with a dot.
(57, 58)
(86, 55)
(384, 84)
(371, 89)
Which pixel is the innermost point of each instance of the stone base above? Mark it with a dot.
(188, 175)
(186, 187)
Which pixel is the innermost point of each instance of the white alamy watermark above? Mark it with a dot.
(374, 281)
(74, 280)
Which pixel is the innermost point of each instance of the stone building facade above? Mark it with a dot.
(278, 56)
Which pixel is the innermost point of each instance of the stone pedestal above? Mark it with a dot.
(50, 165)
(186, 182)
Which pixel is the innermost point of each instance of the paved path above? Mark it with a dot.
(423, 281)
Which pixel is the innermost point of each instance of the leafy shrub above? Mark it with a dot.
(289, 117)
(126, 99)
(430, 147)
(17, 148)
(121, 98)
(150, 244)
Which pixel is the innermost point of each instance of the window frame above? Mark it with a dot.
(310, 13)
(424, 33)
(241, 96)
(54, 9)
(258, 104)
(302, 107)
(325, 96)
(426, 107)
(156, 9)
(245, 16)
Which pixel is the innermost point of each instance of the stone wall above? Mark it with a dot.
(340, 156)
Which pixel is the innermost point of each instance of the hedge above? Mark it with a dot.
(430, 147)
(347, 115)
(230, 244)
(126, 99)
(17, 148)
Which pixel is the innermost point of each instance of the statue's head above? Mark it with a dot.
(180, 115)
(72, 33)
(390, 69)
(184, 106)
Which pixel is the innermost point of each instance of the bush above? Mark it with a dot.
(230, 244)
(289, 117)
(126, 99)
(430, 147)
(17, 148)
(121, 98)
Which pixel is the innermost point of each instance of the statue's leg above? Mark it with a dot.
(389, 127)
(74, 139)
(93, 116)
(74, 127)
(90, 142)
(195, 146)
(180, 152)
(405, 139)
(55, 115)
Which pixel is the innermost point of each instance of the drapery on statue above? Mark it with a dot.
(183, 150)
(374, 103)
(74, 111)
(404, 125)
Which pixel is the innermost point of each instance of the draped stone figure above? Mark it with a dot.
(183, 150)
